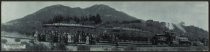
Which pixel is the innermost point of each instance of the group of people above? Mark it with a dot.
(75, 37)
(63, 37)
(81, 36)
(51, 36)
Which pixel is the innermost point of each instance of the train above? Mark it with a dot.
(113, 36)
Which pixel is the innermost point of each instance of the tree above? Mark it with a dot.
(125, 22)
(58, 18)
(3, 40)
(17, 40)
(98, 19)
(149, 22)
(136, 21)
(76, 19)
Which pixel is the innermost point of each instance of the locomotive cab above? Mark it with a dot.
(184, 41)
(166, 38)
(159, 39)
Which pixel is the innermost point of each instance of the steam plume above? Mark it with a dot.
(180, 27)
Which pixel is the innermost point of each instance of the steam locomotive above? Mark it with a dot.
(170, 39)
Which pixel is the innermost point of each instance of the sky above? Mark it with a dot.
(190, 12)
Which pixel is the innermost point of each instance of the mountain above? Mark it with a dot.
(34, 21)
(107, 13)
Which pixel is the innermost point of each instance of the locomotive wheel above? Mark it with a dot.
(160, 43)
(173, 45)
(186, 44)
(154, 42)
